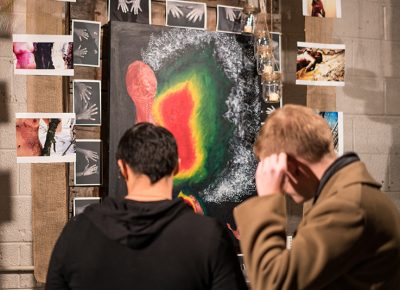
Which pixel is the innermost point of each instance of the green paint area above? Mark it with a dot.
(209, 131)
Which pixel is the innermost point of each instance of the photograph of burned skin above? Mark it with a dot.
(320, 64)
(322, 8)
(45, 138)
(43, 54)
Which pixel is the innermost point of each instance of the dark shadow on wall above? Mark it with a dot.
(4, 113)
(6, 18)
(293, 24)
(5, 213)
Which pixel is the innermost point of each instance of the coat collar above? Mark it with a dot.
(354, 173)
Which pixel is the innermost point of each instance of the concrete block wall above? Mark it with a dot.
(370, 99)
(15, 183)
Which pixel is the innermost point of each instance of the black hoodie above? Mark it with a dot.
(125, 244)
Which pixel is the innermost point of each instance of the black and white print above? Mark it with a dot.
(86, 36)
(80, 203)
(87, 102)
(229, 19)
(138, 11)
(186, 14)
(88, 162)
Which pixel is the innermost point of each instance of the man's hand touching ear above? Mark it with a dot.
(270, 174)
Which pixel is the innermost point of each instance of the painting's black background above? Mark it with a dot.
(119, 109)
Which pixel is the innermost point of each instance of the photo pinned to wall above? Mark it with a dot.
(80, 203)
(45, 137)
(267, 108)
(87, 102)
(277, 49)
(67, 0)
(186, 14)
(335, 122)
(36, 54)
(137, 11)
(229, 19)
(88, 162)
(86, 36)
(322, 8)
(320, 64)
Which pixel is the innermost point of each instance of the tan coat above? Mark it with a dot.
(349, 240)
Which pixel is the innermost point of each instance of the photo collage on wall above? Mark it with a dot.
(45, 137)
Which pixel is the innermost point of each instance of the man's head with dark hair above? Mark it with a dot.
(150, 150)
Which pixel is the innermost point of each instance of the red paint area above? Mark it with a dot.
(176, 110)
(141, 84)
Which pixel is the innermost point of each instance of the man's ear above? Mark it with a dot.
(123, 168)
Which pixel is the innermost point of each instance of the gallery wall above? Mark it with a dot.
(370, 101)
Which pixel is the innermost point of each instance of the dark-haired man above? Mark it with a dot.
(148, 240)
(348, 239)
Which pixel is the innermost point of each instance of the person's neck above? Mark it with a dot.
(320, 167)
(141, 189)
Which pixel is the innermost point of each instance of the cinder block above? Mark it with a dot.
(395, 197)
(377, 165)
(363, 96)
(19, 23)
(8, 172)
(348, 25)
(6, 73)
(348, 132)
(369, 58)
(394, 176)
(9, 281)
(9, 254)
(26, 254)
(24, 180)
(19, 6)
(376, 135)
(16, 215)
(370, 20)
(391, 58)
(28, 281)
(392, 21)
(6, 49)
(392, 96)
(19, 91)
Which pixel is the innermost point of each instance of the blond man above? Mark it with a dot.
(348, 239)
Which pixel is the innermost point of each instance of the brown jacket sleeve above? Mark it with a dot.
(325, 241)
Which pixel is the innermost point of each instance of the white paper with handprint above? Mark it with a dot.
(186, 14)
(88, 162)
(87, 102)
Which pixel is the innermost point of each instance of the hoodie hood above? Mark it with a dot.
(132, 223)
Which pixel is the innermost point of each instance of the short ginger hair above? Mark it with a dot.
(295, 130)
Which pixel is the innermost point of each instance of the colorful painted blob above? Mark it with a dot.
(190, 103)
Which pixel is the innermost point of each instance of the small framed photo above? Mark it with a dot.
(86, 35)
(229, 19)
(45, 137)
(137, 11)
(335, 122)
(186, 14)
(88, 162)
(50, 55)
(322, 8)
(80, 203)
(277, 48)
(87, 102)
(320, 64)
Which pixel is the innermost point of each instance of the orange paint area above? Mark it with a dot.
(175, 109)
